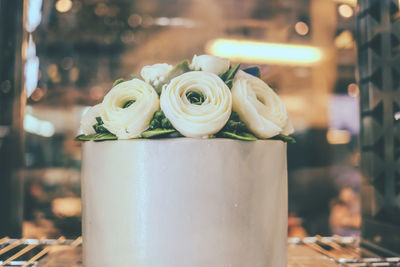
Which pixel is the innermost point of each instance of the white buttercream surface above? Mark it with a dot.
(184, 203)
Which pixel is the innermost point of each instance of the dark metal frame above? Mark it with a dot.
(378, 34)
(11, 117)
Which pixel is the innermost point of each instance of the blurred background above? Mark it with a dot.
(73, 50)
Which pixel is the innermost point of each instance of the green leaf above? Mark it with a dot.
(154, 124)
(229, 83)
(230, 73)
(80, 137)
(118, 81)
(128, 103)
(284, 138)
(96, 137)
(159, 115)
(98, 127)
(239, 136)
(234, 116)
(236, 126)
(255, 71)
(183, 66)
(166, 124)
(99, 120)
(104, 136)
(159, 132)
(174, 135)
(225, 74)
(176, 71)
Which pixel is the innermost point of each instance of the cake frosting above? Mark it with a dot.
(184, 202)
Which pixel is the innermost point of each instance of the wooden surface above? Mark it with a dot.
(62, 256)
(302, 256)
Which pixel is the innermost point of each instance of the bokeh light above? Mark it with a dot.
(345, 11)
(301, 28)
(353, 90)
(134, 20)
(63, 6)
(338, 137)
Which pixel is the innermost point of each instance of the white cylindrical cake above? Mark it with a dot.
(184, 203)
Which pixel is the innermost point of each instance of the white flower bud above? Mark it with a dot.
(155, 72)
(216, 65)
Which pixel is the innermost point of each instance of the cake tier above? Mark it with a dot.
(184, 203)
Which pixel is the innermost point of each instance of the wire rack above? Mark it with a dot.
(314, 251)
(28, 252)
(347, 251)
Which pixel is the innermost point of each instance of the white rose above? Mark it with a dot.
(208, 63)
(259, 106)
(89, 119)
(194, 120)
(156, 73)
(131, 121)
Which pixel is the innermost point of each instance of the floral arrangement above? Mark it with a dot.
(205, 98)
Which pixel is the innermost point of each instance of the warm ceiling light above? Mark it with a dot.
(63, 6)
(263, 52)
(346, 11)
(301, 28)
